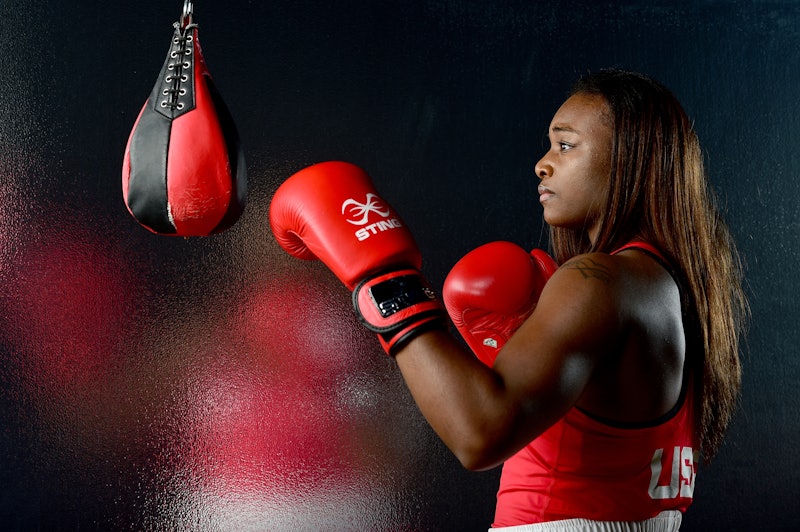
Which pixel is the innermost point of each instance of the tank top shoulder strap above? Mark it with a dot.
(644, 246)
(654, 252)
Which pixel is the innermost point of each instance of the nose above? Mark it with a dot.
(543, 168)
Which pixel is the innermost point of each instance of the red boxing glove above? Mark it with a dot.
(491, 291)
(332, 212)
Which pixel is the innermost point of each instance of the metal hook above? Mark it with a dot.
(188, 11)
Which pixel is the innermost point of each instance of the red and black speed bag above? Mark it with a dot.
(184, 172)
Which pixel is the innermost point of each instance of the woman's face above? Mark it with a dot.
(575, 170)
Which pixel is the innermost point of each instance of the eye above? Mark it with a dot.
(564, 146)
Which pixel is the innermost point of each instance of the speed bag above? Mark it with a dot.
(183, 172)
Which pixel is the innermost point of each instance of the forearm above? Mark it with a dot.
(463, 400)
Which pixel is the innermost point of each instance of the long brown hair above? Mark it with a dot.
(658, 191)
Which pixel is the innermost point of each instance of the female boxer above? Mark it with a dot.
(602, 396)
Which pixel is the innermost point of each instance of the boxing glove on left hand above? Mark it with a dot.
(331, 211)
(491, 291)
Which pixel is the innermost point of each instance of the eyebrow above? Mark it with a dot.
(564, 129)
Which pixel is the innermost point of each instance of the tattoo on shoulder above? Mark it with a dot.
(590, 269)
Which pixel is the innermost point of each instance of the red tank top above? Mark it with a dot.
(582, 467)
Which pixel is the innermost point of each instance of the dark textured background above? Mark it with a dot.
(157, 383)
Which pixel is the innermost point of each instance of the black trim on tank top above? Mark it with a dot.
(660, 420)
(650, 250)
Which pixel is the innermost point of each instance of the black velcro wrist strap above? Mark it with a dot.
(395, 305)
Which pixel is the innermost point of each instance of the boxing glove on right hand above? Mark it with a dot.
(332, 212)
(491, 291)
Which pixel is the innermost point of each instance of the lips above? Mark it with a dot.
(544, 193)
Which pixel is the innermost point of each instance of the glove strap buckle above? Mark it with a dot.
(396, 305)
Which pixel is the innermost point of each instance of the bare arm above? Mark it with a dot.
(484, 415)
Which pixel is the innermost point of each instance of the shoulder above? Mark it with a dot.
(600, 267)
(613, 291)
(583, 302)
(624, 274)
(591, 275)
(602, 293)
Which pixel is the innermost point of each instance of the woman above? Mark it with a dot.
(602, 400)
(627, 347)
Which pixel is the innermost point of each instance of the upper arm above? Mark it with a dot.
(547, 363)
